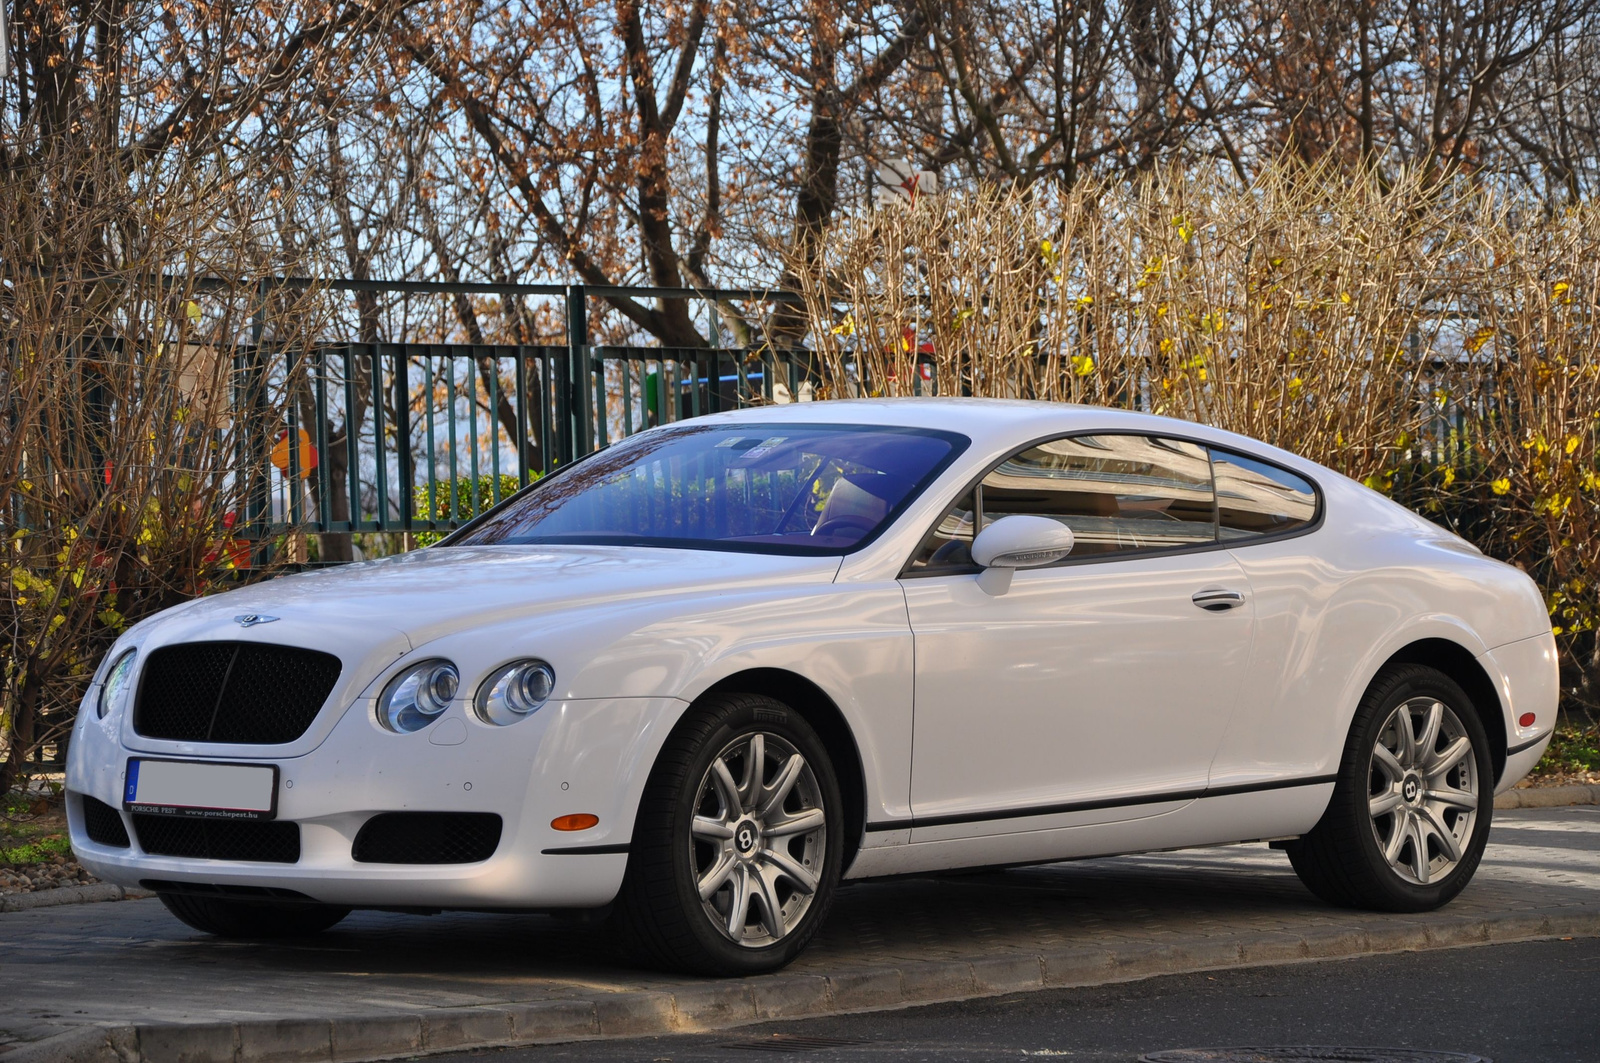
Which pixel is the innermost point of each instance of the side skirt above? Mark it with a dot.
(1162, 822)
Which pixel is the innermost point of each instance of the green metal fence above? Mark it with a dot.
(420, 437)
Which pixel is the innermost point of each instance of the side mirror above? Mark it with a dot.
(1018, 541)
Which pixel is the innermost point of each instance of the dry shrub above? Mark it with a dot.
(128, 397)
(1438, 339)
(1533, 291)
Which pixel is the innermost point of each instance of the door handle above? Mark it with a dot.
(1217, 600)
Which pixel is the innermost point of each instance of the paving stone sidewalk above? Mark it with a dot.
(126, 982)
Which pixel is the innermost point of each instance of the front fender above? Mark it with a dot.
(852, 641)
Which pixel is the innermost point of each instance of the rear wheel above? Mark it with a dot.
(246, 919)
(1409, 818)
(738, 846)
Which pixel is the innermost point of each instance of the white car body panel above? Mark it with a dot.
(1030, 698)
(1171, 726)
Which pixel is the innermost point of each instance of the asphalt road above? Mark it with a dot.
(924, 937)
(1536, 1002)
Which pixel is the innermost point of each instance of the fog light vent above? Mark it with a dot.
(427, 838)
(103, 824)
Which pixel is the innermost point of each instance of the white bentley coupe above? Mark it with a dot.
(705, 675)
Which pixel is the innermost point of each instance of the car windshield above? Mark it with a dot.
(774, 488)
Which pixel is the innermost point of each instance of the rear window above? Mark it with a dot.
(805, 489)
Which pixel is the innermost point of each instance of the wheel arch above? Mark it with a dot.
(1457, 662)
(822, 713)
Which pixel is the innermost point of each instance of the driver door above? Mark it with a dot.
(1092, 686)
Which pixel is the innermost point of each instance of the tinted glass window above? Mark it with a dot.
(1254, 498)
(1116, 492)
(949, 543)
(814, 489)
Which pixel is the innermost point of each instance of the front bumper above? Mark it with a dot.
(570, 757)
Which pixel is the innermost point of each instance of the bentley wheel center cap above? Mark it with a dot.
(745, 837)
(1412, 789)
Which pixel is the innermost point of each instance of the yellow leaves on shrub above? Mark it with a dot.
(1501, 486)
(847, 327)
(1449, 476)
(1082, 365)
(1151, 268)
(1572, 608)
(1476, 341)
(1572, 444)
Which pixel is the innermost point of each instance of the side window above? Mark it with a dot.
(949, 543)
(1254, 498)
(1116, 492)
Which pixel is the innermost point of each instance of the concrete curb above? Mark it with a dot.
(1550, 796)
(714, 1005)
(100, 891)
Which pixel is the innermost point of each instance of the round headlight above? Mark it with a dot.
(114, 691)
(415, 698)
(515, 690)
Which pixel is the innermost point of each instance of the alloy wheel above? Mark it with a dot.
(1422, 794)
(758, 839)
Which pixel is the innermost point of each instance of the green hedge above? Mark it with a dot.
(459, 508)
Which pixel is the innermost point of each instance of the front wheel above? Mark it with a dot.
(1409, 817)
(738, 846)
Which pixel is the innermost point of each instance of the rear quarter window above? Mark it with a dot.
(1256, 498)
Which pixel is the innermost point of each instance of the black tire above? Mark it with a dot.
(1342, 859)
(246, 919)
(659, 918)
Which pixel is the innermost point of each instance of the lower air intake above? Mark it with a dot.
(248, 840)
(103, 824)
(427, 838)
(226, 891)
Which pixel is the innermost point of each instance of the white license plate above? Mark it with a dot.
(198, 788)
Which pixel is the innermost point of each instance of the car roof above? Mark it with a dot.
(994, 424)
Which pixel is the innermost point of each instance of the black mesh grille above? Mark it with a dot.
(427, 838)
(103, 824)
(241, 692)
(257, 841)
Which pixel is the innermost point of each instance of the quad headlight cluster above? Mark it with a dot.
(417, 696)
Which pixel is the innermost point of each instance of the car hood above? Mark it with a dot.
(400, 603)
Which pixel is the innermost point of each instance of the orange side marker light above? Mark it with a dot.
(575, 821)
